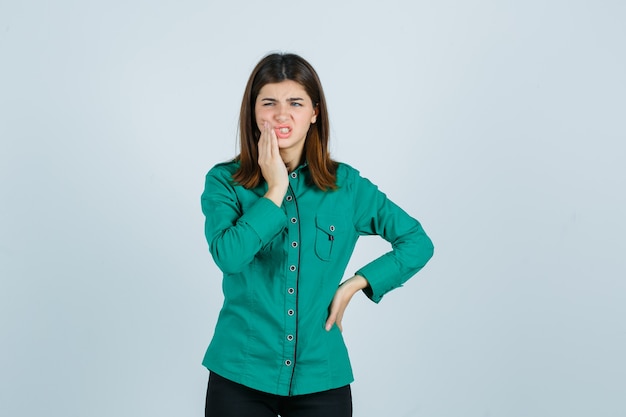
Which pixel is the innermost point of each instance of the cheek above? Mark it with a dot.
(261, 115)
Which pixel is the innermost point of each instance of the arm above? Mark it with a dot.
(375, 214)
(411, 247)
(234, 236)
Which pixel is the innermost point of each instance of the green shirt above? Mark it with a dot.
(282, 266)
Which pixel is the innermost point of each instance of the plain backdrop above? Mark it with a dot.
(500, 125)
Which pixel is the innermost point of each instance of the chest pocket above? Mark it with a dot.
(327, 229)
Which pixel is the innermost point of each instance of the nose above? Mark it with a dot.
(282, 114)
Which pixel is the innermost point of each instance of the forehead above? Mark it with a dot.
(283, 90)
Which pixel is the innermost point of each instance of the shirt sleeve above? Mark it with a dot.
(235, 236)
(375, 214)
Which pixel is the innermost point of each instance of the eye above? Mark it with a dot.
(267, 104)
(296, 104)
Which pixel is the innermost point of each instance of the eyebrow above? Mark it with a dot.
(289, 99)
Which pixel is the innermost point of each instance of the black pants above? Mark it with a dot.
(225, 398)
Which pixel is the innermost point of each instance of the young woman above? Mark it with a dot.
(282, 220)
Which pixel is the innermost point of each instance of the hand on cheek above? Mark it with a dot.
(272, 166)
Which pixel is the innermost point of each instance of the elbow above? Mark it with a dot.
(228, 264)
(429, 249)
(421, 252)
(228, 261)
(426, 251)
(228, 267)
(424, 247)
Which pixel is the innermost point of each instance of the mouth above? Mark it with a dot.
(282, 132)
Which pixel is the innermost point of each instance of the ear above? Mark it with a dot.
(314, 118)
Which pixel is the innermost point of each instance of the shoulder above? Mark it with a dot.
(346, 173)
(224, 169)
(349, 176)
(220, 177)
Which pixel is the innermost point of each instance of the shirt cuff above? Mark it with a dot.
(376, 273)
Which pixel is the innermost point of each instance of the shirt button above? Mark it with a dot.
(291, 290)
(288, 362)
(290, 312)
(294, 244)
(293, 175)
(289, 198)
(332, 228)
(290, 337)
(292, 268)
(294, 220)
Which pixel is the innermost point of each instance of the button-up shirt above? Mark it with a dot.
(282, 266)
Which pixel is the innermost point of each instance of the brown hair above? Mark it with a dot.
(275, 68)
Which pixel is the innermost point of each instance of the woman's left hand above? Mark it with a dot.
(342, 298)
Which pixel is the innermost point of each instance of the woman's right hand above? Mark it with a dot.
(272, 165)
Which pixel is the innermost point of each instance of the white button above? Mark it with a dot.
(294, 244)
(292, 268)
(294, 220)
(332, 228)
(289, 198)
(290, 312)
(290, 337)
(293, 175)
(288, 362)
(291, 290)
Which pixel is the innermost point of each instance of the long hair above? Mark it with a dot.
(275, 68)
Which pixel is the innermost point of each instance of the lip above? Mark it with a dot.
(281, 135)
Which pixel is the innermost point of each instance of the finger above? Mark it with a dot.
(330, 321)
(334, 319)
(332, 315)
(273, 141)
(262, 130)
(263, 144)
(336, 315)
(338, 321)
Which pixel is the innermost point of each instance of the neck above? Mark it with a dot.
(291, 159)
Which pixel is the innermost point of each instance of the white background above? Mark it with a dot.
(500, 125)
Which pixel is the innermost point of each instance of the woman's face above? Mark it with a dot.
(289, 111)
